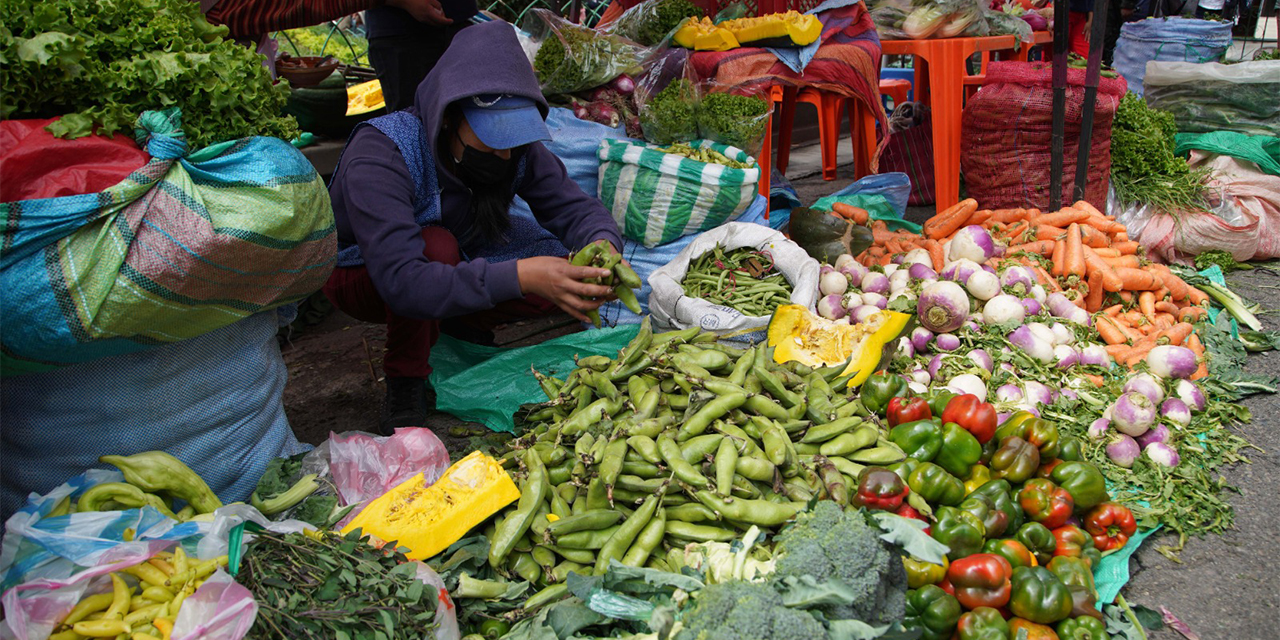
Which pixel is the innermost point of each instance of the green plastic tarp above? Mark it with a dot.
(488, 384)
(876, 205)
(1263, 151)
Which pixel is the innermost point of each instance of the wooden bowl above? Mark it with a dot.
(305, 71)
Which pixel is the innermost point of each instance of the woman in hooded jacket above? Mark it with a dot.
(422, 199)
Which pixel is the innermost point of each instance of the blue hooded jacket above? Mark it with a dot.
(373, 192)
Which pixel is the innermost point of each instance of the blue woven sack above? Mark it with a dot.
(1168, 40)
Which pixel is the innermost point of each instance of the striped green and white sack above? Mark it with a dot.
(657, 197)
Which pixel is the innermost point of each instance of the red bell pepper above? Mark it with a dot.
(1072, 541)
(880, 489)
(903, 410)
(976, 416)
(1110, 525)
(908, 511)
(1046, 503)
(981, 580)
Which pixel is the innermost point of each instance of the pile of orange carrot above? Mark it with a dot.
(1083, 253)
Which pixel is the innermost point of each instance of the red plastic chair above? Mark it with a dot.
(897, 89)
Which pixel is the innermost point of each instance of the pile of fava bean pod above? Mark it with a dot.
(677, 440)
(622, 278)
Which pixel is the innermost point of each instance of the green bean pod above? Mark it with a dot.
(560, 572)
(611, 464)
(646, 447)
(559, 503)
(763, 406)
(648, 540)
(593, 520)
(587, 540)
(820, 433)
(775, 444)
(693, 512)
(593, 413)
(771, 383)
(713, 410)
(726, 462)
(532, 495)
(847, 467)
(699, 532)
(579, 556)
(674, 458)
(807, 449)
(641, 469)
(745, 443)
(647, 404)
(642, 485)
(878, 455)
(621, 540)
(546, 596)
(695, 450)
(636, 388)
(846, 443)
(742, 368)
(595, 363)
(650, 427)
(757, 469)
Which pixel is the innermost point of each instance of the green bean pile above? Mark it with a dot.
(677, 440)
(722, 278)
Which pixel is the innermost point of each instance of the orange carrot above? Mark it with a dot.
(1164, 306)
(1114, 310)
(1059, 258)
(1131, 262)
(1133, 317)
(1007, 216)
(944, 224)
(1075, 253)
(1194, 344)
(1138, 279)
(1096, 379)
(1084, 206)
(1121, 236)
(1139, 351)
(1178, 289)
(978, 217)
(1061, 218)
(880, 232)
(935, 254)
(1106, 252)
(1191, 314)
(1164, 321)
(1110, 331)
(1046, 279)
(1048, 232)
(1196, 296)
(1094, 238)
(1126, 247)
(887, 258)
(1202, 371)
(1041, 247)
(1125, 296)
(1093, 300)
(1095, 264)
(1016, 229)
(856, 214)
(1178, 333)
(1116, 351)
(1108, 227)
(1147, 302)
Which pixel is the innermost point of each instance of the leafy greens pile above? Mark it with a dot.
(1144, 169)
(101, 64)
(330, 586)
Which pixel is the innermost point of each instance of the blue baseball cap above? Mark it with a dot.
(504, 121)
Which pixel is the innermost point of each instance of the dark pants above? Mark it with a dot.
(409, 340)
(403, 61)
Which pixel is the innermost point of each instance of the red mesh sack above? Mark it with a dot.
(1005, 147)
(910, 151)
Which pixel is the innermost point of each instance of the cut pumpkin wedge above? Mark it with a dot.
(797, 334)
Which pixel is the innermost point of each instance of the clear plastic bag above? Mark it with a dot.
(736, 118)
(365, 466)
(574, 58)
(667, 99)
(652, 22)
(1243, 97)
(923, 19)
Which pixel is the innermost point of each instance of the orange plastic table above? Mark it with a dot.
(940, 73)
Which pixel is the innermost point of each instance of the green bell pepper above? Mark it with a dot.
(1016, 460)
(1083, 481)
(1082, 628)
(904, 468)
(1039, 541)
(1001, 495)
(879, 388)
(1010, 549)
(1041, 433)
(1077, 574)
(935, 485)
(983, 623)
(989, 449)
(921, 573)
(921, 439)
(1039, 596)
(1070, 449)
(938, 399)
(960, 450)
(959, 530)
(933, 611)
(994, 521)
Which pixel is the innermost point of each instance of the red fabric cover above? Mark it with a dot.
(34, 164)
(1006, 140)
(910, 151)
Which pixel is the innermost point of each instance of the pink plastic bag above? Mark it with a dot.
(366, 466)
(221, 609)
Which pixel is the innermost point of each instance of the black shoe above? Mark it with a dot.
(406, 404)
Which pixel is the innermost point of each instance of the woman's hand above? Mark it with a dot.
(562, 283)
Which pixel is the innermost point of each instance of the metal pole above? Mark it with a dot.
(1097, 41)
(1061, 35)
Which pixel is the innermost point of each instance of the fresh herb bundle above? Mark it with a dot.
(101, 64)
(330, 586)
(1144, 169)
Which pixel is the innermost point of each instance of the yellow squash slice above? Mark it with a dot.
(797, 334)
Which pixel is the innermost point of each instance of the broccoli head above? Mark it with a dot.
(740, 610)
(831, 544)
(734, 120)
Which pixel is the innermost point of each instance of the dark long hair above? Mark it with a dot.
(490, 207)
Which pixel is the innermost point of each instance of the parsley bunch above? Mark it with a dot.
(1144, 169)
(101, 64)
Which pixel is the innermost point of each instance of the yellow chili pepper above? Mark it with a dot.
(120, 600)
(148, 574)
(145, 614)
(92, 604)
(101, 628)
(162, 565)
(164, 625)
(179, 560)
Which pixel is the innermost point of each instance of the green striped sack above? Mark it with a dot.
(657, 197)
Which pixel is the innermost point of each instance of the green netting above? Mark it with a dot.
(1261, 150)
(488, 384)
